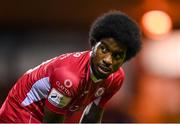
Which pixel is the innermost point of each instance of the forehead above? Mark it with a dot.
(113, 44)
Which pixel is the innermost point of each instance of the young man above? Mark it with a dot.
(75, 81)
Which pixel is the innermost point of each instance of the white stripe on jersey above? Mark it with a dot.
(38, 91)
(97, 100)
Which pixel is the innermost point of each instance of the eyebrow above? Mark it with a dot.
(104, 44)
(116, 51)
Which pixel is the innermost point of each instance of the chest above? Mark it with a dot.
(88, 92)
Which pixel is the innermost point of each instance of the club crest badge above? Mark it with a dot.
(74, 108)
(99, 92)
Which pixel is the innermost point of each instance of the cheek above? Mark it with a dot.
(98, 56)
(95, 59)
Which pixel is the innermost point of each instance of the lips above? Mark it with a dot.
(104, 70)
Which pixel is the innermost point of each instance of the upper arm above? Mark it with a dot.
(57, 99)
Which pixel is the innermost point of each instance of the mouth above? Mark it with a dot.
(103, 69)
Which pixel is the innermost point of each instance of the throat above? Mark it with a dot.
(93, 77)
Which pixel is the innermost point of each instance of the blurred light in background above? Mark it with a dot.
(163, 57)
(157, 96)
(156, 24)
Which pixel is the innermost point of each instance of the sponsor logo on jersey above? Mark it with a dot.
(99, 92)
(58, 99)
(62, 88)
(68, 83)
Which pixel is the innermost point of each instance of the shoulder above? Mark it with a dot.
(119, 74)
(116, 79)
(67, 75)
(73, 62)
(69, 60)
(74, 55)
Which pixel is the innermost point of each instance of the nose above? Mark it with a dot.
(107, 60)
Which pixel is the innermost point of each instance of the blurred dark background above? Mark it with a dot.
(34, 31)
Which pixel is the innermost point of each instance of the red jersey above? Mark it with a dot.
(63, 84)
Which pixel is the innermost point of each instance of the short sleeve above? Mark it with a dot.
(61, 91)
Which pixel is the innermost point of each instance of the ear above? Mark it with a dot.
(92, 48)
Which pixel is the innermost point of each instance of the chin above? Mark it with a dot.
(102, 76)
(98, 74)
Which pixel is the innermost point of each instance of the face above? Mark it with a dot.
(107, 57)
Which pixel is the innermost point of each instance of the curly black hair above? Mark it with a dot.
(121, 28)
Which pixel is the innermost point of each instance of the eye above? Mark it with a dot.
(119, 56)
(104, 49)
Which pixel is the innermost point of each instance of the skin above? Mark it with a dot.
(107, 57)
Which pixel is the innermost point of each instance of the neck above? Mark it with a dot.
(93, 77)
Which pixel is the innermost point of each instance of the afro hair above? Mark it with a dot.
(120, 27)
